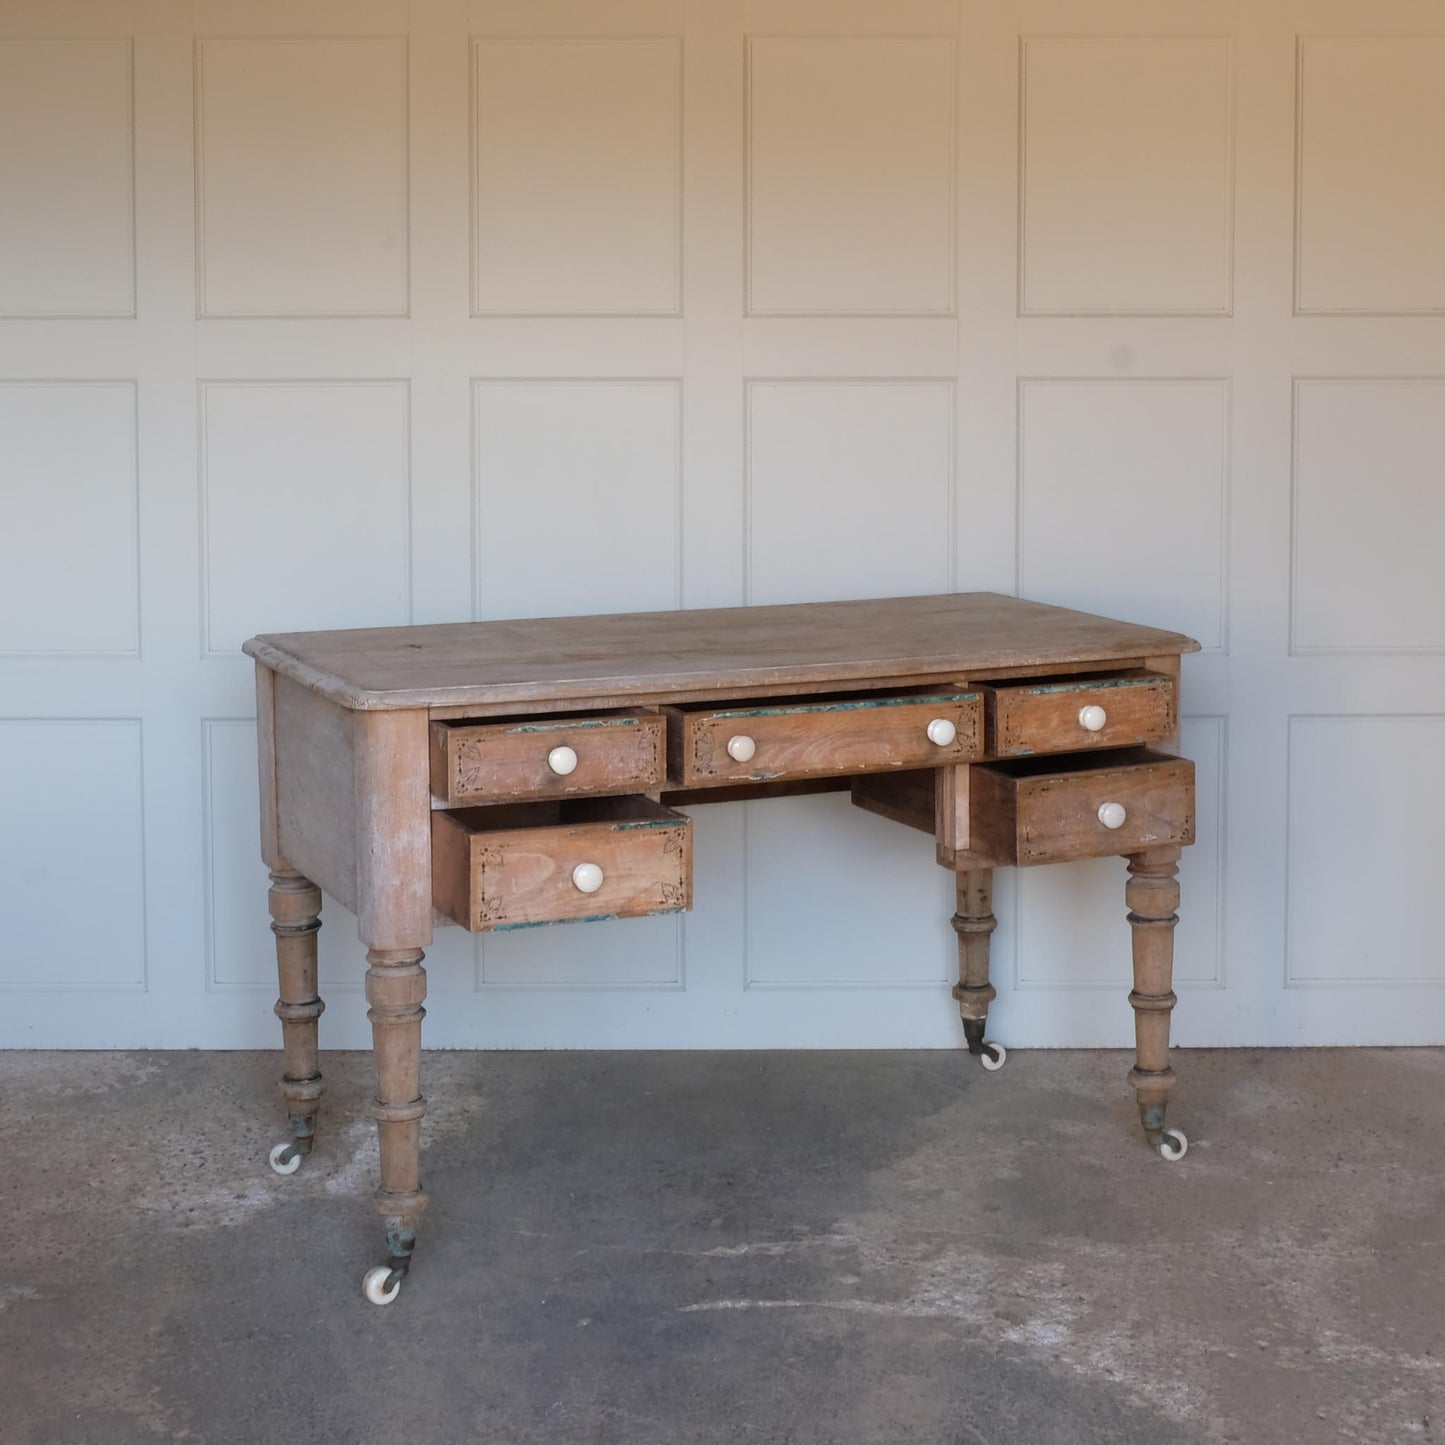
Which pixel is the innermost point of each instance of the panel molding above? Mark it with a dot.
(1023, 309)
(1302, 43)
(1225, 384)
(751, 42)
(203, 387)
(93, 654)
(208, 855)
(1292, 981)
(140, 984)
(475, 487)
(127, 43)
(948, 384)
(1218, 979)
(475, 44)
(1296, 648)
(203, 311)
(752, 984)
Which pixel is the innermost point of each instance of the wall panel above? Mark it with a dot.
(334, 313)
(67, 222)
(70, 517)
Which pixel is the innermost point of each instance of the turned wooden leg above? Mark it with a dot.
(974, 924)
(395, 989)
(295, 904)
(1152, 894)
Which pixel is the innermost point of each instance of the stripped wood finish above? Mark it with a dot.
(509, 867)
(295, 905)
(396, 990)
(837, 736)
(511, 761)
(808, 646)
(974, 923)
(1152, 894)
(370, 742)
(1052, 715)
(1047, 810)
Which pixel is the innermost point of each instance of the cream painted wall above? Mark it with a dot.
(337, 312)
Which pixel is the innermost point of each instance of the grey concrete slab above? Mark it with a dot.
(776, 1249)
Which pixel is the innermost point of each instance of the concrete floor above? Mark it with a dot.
(760, 1248)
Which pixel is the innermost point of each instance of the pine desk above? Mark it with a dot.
(505, 774)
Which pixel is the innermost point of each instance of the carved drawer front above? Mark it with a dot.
(823, 736)
(1051, 810)
(551, 758)
(1070, 714)
(577, 858)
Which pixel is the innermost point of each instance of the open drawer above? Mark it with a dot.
(813, 737)
(551, 862)
(535, 758)
(1071, 714)
(1052, 810)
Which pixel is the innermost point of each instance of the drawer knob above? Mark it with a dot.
(587, 877)
(1112, 815)
(562, 760)
(1093, 717)
(741, 748)
(942, 731)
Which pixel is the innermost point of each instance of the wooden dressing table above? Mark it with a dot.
(510, 774)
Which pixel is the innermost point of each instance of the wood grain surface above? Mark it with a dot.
(842, 736)
(511, 866)
(718, 651)
(1040, 716)
(497, 762)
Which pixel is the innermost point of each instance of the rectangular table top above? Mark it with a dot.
(535, 661)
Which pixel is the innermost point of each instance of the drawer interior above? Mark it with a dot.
(623, 813)
(1074, 765)
(823, 702)
(1073, 681)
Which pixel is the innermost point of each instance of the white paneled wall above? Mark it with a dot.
(347, 312)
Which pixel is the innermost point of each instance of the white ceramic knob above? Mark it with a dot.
(741, 748)
(1112, 815)
(942, 731)
(562, 760)
(1093, 717)
(587, 877)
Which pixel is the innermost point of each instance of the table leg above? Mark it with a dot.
(974, 924)
(1152, 894)
(295, 904)
(395, 989)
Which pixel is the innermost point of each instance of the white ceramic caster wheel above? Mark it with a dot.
(284, 1166)
(993, 1061)
(374, 1285)
(1173, 1146)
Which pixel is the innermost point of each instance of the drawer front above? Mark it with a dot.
(558, 758)
(1071, 715)
(511, 867)
(827, 738)
(1094, 808)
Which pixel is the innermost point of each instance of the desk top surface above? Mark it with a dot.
(536, 661)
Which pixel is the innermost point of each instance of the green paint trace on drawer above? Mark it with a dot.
(850, 705)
